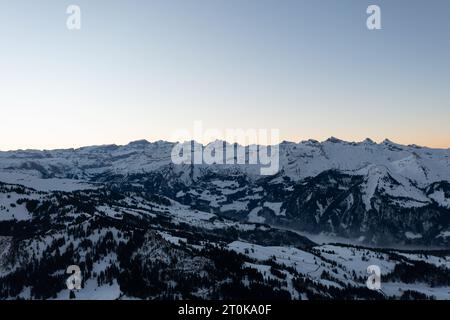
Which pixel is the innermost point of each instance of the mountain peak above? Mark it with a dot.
(387, 141)
(368, 141)
(139, 143)
(334, 140)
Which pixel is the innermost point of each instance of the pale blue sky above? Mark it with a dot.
(144, 69)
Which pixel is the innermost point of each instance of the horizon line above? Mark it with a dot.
(331, 139)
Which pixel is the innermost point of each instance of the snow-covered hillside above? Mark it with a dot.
(138, 245)
(367, 184)
(140, 226)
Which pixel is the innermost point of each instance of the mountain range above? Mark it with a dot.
(378, 193)
(140, 226)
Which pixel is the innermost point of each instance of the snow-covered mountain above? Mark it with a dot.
(140, 226)
(380, 193)
(298, 161)
(134, 244)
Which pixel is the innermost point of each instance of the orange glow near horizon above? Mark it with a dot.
(443, 143)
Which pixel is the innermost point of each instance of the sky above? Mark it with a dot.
(146, 69)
